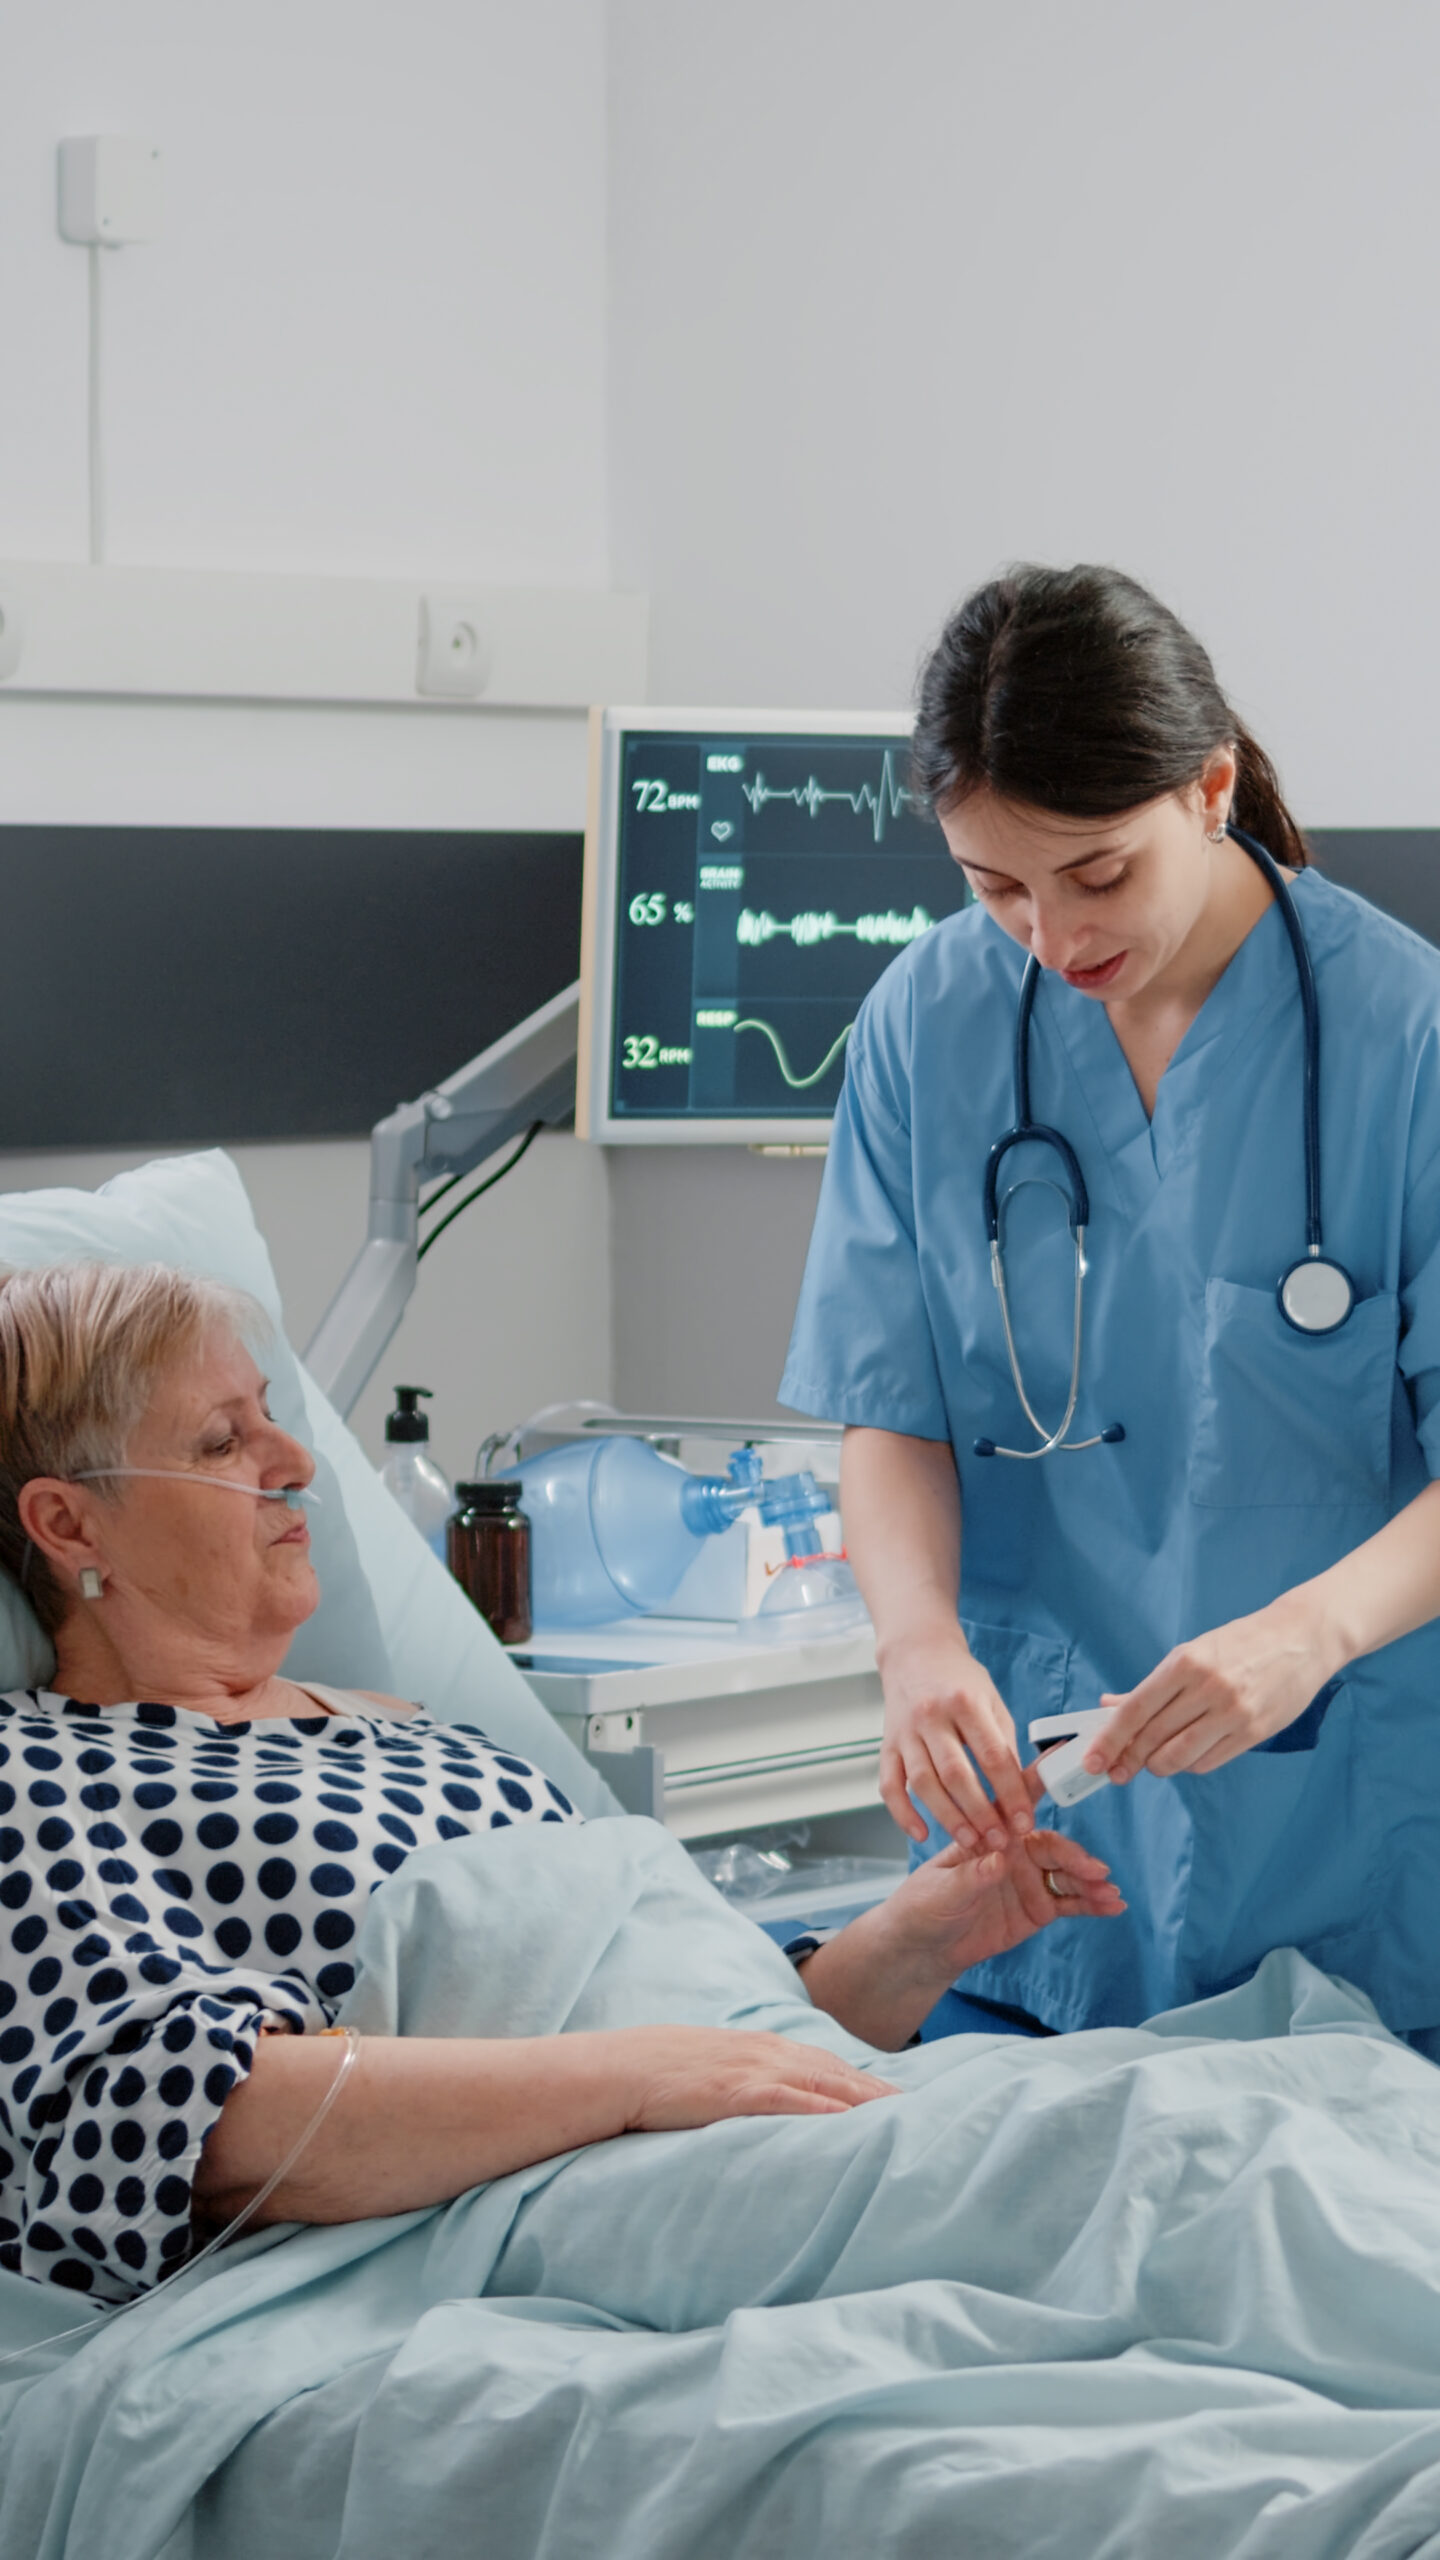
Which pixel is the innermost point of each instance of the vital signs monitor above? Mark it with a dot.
(748, 874)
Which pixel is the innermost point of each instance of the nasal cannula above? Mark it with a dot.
(291, 1493)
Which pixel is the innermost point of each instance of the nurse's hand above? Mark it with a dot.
(1217, 1696)
(947, 1729)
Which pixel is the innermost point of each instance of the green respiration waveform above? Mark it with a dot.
(797, 1084)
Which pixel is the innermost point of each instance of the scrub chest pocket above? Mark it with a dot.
(1285, 1417)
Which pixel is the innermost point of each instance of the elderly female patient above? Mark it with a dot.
(188, 1840)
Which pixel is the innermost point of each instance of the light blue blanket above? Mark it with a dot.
(1174, 2291)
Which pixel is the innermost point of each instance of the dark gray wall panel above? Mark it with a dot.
(1397, 868)
(179, 986)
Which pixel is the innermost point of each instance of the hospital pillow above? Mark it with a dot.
(390, 1617)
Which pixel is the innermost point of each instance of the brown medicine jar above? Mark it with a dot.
(488, 1542)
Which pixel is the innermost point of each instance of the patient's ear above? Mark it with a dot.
(57, 1518)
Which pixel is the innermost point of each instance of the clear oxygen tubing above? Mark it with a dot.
(222, 2239)
(294, 1494)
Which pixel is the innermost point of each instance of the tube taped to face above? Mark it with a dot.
(294, 1494)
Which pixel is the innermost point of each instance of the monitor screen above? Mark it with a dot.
(747, 877)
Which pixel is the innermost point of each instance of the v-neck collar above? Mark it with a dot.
(1140, 1152)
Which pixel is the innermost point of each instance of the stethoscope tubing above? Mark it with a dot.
(1028, 1132)
(1310, 1011)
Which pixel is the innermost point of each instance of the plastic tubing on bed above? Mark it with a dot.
(222, 2239)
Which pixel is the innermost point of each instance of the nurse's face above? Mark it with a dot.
(1112, 905)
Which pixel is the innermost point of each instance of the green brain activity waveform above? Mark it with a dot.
(885, 803)
(797, 1084)
(811, 927)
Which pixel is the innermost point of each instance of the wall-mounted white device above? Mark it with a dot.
(110, 197)
(110, 190)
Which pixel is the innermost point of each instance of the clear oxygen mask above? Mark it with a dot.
(813, 1593)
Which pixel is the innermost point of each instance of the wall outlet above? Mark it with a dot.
(110, 190)
(453, 657)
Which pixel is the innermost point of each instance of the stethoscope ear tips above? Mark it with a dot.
(1113, 1431)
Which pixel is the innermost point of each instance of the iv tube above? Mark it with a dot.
(247, 2212)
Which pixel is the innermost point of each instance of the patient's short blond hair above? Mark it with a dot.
(82, 1348)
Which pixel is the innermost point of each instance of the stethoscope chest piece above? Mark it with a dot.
(1316, 1295)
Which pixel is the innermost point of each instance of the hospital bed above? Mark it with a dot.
(1190, 2297)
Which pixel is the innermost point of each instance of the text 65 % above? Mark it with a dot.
(652, 906)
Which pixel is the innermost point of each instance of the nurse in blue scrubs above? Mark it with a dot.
(1248, 1579)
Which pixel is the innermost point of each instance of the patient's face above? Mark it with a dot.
(223, 1566)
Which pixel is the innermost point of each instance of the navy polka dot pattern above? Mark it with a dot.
(170, 1887)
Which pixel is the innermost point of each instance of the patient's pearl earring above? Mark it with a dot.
(91, 1586)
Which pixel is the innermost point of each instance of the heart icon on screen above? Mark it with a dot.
(721, 830)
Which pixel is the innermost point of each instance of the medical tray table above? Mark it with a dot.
(712, 1733)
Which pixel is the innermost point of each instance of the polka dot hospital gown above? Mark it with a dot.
(168, 1885)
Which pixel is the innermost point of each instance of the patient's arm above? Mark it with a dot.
(422, 2118)
(884, 1974)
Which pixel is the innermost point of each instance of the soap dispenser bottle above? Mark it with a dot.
(412, 1476)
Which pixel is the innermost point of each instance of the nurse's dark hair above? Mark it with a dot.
(1077, 691)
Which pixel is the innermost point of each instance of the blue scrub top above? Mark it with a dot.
(1253, 1457)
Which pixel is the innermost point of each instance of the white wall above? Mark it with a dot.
(901, 292)
(370, 341)
(886, 294)
(371, 336)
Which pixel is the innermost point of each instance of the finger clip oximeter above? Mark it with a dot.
(1063, 1742)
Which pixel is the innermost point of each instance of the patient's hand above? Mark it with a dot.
(958, 1909)
(686, 2076)
(883, 1975)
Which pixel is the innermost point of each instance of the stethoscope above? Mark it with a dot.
(1315, 1295)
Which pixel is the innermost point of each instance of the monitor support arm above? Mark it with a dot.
(527, 1076)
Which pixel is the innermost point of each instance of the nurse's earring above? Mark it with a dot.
(1217, 835)
(91, 1586)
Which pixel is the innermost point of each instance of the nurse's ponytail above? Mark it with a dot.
(1077, 691)
(1259, 804)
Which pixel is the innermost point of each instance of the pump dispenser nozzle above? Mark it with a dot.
(407, 1422)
